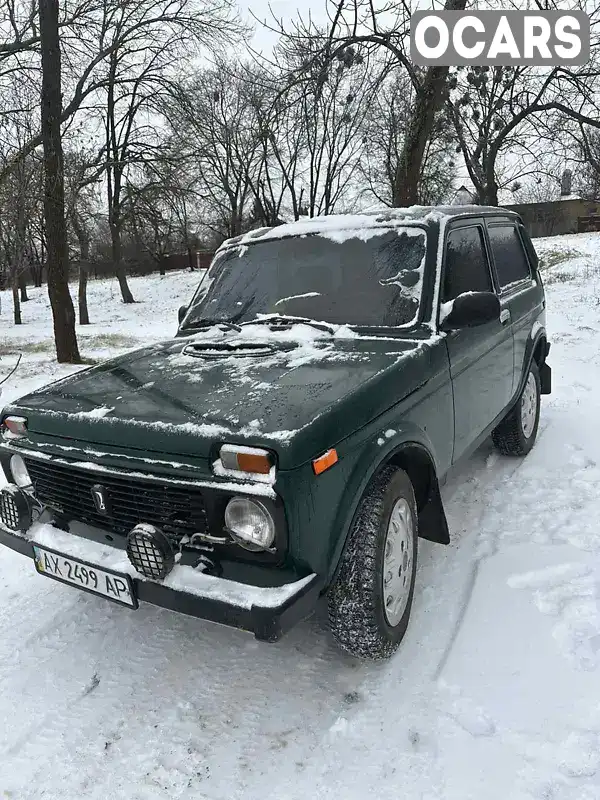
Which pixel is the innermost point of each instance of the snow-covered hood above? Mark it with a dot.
(297, 391)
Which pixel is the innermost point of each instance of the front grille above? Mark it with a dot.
(177, 510)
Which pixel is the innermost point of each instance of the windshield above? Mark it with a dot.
(362, 278)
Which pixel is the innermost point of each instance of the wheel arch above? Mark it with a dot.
(537, 350)
(540, 349)
(415, 457)
(419, 465)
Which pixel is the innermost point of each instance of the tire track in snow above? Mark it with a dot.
(410, 726)
(179, 686)
(489, 485)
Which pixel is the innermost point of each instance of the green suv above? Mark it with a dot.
(289, 442)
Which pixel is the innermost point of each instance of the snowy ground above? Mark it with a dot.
(494, 694)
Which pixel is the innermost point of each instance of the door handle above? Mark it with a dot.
(504, 316)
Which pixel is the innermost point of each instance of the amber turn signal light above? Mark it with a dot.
(259, 464)
(325, 461)
(246, 459)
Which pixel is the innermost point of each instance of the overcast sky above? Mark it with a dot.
(282, 9)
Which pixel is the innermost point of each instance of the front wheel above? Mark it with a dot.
(371, 597)
(515, 435)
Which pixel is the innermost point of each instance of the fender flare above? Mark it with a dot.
(540, 339)
(432, 519)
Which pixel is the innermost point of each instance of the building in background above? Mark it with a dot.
(568, 214)
(464, 197)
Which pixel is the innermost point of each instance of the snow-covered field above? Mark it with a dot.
(494, 694)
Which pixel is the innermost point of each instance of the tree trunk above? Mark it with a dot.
(428, 102)
(63, 312)
(190, 259)
(119, 267)
(37, 276)
(84, 317)
(16, 303)
(84, 262)
(490, 197)
(23, 287)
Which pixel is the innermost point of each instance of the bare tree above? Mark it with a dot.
(151, 220)
(20, 190)
(490, 108)
(63, 312)
(157, 207)
(119, 130)
(329, 107)
(19, 205)
(92, 30)
(587, 153)
(266, 146)
(540, 188)
(358, 26)
(83, 170)
(383, 139)
(276, 184)
(503, 110)
(146, 40)
(212, 121)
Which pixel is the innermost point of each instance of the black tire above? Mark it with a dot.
(357, 617)
(509, 437)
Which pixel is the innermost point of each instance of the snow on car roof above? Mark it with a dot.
(363, 222)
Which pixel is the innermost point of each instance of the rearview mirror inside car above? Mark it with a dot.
(469, 310)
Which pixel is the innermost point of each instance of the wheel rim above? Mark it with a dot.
(529, 406)
(398, 562)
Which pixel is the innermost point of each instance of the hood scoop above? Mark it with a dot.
(228, 349)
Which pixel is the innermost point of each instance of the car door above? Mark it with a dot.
(518, 283)
(481, 358)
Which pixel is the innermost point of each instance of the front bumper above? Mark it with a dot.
(268, 619)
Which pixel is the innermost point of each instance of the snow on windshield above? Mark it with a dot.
(369, 276)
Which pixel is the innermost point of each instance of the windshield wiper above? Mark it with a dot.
(209, 323)
(282, 321)
(228, 324)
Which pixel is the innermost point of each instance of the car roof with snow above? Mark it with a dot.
(372, 218)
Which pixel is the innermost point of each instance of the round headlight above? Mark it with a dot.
(250, 523)
(19, 472)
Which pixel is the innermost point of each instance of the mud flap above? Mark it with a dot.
(432, 518)
(545, 379)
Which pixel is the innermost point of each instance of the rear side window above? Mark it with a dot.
(509, 256)
(466, 266)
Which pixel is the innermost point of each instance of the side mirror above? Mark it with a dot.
(469, 310)
(181, 313)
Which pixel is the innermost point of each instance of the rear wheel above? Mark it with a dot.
(371, 597)
(515, 436)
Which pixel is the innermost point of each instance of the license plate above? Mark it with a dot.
(106, 583)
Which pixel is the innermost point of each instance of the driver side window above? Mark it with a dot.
(466, 267)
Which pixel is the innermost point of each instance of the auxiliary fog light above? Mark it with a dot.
(150, 551)
(15, 510)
